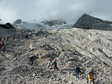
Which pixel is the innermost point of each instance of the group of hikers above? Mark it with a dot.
(3, 42)
(2, 46)
(90, 78)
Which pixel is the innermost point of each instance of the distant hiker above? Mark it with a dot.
(1, 45)
(7, 38)
(0, 38)
(77, 70)
(32, 59)
(90, 78)
(26, 36)
(4, 38)
(3, 50)
(55, 65)
(46, 36)
(18, 36)
(13, 37)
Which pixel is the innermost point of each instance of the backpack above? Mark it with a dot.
(90, 76)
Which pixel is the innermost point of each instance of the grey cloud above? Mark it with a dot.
(69, 10)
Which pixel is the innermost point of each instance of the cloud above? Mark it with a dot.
(69, 10)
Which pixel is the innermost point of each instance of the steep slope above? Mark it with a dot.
(70, 47)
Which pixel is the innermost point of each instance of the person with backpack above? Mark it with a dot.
(7, 38)
(1, 45)
(32, 58)
(90, 78)
(55, 65)
(3, 50)
(77, 70)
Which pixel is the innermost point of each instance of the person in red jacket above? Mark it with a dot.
(0, 38)
(1, 45)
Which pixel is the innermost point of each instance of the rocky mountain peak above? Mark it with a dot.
(89, 22)
(7, 26)
(18, 21)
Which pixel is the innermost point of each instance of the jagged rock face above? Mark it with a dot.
(89, 22)
(6, 26)
(53, 22)
(18, 21)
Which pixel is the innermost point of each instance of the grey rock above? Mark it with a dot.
(89, 22)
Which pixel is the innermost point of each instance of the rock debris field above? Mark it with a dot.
(70, 47)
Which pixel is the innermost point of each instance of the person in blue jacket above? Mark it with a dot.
(3, 50)
(55, 65)
(77, 70)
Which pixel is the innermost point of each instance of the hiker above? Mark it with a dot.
(32, 59)
(77, 70)
(90, 78)
(0, 38)
(26, 36)
(46, 36)
(18, 36)
(55, 64)
(1, 45)
(7, 38)
(4, 38)
(3, 50)
(13, 38)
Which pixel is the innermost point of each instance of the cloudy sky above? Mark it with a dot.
(69, 10)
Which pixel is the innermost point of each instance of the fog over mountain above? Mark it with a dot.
(69, 10)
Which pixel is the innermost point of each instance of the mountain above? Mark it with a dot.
(7, 26)
(89, 22)
(18, 21)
